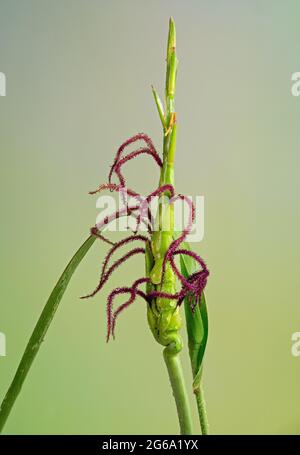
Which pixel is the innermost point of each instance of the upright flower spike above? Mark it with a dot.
(163, 314)
(160, 246)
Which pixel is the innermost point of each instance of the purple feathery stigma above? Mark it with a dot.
(124, 192)
(198, 280)
(114, 187)
(120, 244)
(184, 233)
(131, 140)
(132, 155)
(140, 281)
(163, 295)
(126, 211)
(115, 265)
(192, 255)
(191, 287)
(179, 275)
(145, 203)
(110, 300)
(134, 291)
(94, 231)
(189, 225)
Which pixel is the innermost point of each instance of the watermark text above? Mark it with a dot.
(295, 344)
(295, 89)
(2, 345)
(157, 213)
(2, 84)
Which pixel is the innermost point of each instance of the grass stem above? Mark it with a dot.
(201, 405)
(179, 390)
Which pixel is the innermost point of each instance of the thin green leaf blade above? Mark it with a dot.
(40, 330)
(197, 322)
(160, 107)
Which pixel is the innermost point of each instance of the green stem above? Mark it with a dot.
(179, 390)
(201, 405)
(40, 331)
(171, 354)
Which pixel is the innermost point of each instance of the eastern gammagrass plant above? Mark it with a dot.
(161, 246)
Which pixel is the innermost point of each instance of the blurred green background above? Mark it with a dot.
(78, 84)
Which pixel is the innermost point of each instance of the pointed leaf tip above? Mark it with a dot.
(171, 38)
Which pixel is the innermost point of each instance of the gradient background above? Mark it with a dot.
(78, 84)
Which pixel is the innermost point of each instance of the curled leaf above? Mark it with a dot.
(196, 322)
